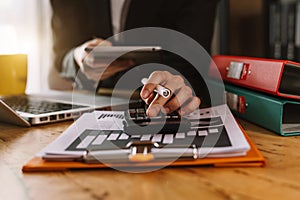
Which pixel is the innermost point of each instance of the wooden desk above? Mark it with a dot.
(280, 179)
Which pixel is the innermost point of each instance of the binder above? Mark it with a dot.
(276, 77)
(273, 113)
(91, 142)
(253, 158)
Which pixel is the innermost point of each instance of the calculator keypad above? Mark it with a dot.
(137, 122)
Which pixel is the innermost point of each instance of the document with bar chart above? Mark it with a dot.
(213, 132)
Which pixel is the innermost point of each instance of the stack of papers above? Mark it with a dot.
(98, 137)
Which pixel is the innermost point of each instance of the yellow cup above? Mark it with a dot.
(13, 74)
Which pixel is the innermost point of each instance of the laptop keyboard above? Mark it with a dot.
(36, 106)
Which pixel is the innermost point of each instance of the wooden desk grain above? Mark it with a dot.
(280, 179)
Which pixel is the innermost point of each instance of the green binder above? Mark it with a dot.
(276, 114)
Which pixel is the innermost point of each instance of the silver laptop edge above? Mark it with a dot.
(10, 116)
(90, 103)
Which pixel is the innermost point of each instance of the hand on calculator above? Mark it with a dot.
(181, 99)
(137, 122)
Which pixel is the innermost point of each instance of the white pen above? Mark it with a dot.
(161, 90)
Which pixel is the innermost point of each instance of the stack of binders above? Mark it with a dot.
(265, 92)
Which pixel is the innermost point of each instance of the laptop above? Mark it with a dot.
(27, 110)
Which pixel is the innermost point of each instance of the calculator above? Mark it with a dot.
(137, 122)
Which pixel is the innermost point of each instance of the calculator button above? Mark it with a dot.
(141, 115)
(140, 110)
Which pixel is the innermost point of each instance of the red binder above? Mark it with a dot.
(277, 77)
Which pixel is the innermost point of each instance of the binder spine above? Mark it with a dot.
(260, 74)
(257, 108)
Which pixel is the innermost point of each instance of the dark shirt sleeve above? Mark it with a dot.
(65, 27)
(73, 23)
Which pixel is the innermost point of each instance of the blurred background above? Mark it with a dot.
(258, 28)
(25, 28)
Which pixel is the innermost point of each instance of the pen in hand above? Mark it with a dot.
(161, 90)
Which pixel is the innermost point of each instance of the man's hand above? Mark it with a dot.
(98, 71)
(181, 100)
